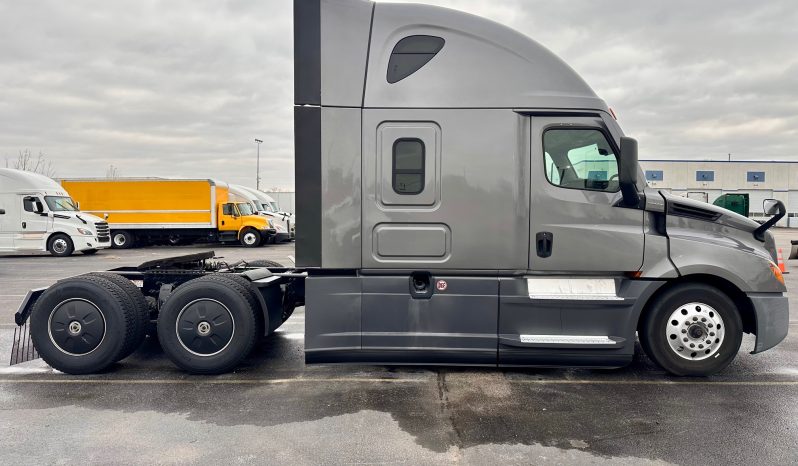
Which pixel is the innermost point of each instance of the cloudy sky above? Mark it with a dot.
(182, 87)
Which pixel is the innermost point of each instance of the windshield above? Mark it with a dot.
(61, 203)
(245, 209)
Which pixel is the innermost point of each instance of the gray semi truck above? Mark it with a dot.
(409, 119)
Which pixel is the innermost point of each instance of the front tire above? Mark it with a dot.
(60, 245)
(208, 325)
(692, 330)
(122, 239)
(250, 238)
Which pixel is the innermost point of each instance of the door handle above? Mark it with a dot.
(24, 225)
(544, 242)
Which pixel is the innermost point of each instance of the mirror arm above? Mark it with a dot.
(759, 233)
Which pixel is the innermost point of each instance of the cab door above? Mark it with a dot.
(33, 224)
(229, 218)
(578, 222)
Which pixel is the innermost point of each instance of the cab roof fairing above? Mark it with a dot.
(483, 64)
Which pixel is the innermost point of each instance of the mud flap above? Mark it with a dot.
(22, 349)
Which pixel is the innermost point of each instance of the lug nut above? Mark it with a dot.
(703, 319)
(695, 319)
(712, 334)
(692, 345)
(685, 339)
(684, 330)
(700, 346)
(710, 325)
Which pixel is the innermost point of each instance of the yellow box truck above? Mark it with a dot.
(142, 211)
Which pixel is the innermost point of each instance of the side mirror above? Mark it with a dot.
(770, 206)
(2, 211)
(38, 207)
(77, 205)
(627, 173)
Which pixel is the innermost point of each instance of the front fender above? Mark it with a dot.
(748, 271)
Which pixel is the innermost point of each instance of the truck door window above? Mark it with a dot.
(228, 209)
(29, 204)
(580, 159)
(408, 166)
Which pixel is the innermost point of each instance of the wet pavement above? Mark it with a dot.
(274, 409)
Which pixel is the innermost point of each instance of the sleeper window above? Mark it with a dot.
(410, 54)
(408, 166)
(580, 159)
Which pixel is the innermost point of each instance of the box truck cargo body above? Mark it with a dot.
(412, 121)
(37, 214)
(143, 211)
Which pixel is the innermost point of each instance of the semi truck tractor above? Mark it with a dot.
(142, 211)
(264, 205)
(409, 119)
(37, 214)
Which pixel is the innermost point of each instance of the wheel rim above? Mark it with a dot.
(76, 327)
(695, 331)
(250, 238)
(120, 239)
(60, 245)
(205, 327)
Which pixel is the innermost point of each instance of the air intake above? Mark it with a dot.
(690, 211)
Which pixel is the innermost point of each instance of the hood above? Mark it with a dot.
(691, 208)
(88, 218)
(724, 219)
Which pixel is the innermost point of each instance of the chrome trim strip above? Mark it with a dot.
(568, 339)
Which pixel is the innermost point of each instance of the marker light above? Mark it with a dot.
(777, 273)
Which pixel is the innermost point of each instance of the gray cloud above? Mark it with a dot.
(181, 88)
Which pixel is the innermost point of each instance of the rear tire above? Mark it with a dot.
(140, 308)
(60, 245)
(692, 330)
(81, 325)
(250, 238)
(122, 239)
(265, 263)
(208, 325)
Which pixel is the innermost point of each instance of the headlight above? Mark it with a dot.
(86, 232)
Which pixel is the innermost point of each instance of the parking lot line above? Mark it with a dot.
(386, 380)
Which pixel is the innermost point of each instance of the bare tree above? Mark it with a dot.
(39, 164)
(112, 172)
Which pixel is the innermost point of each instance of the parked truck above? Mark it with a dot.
(143, 211)
(265, 205)
(37, 214)
(410, 119)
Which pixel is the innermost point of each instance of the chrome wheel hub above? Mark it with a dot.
(74, 327)
(60, 246)
(249, 238)
(695, 331)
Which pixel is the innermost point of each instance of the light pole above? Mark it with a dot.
(257, 167)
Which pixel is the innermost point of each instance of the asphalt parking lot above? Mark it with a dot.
(274, 409)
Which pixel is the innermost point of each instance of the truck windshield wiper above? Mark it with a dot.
(81, 219)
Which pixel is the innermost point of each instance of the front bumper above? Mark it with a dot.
(772, 313)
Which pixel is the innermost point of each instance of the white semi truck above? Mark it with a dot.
(37, 214)
(265, 205)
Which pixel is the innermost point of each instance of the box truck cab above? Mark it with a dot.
(37, 214)
(411, 119)
(264, 205)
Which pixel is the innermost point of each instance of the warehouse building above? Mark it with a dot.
(708, 180)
